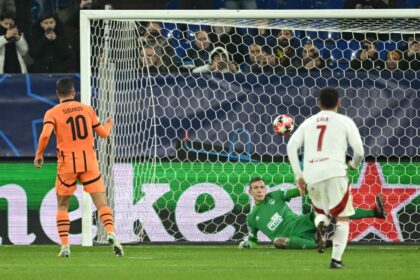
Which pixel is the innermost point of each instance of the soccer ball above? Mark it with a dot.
(283, 125)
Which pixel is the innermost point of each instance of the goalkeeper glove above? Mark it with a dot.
(351, 165)
(244, 245)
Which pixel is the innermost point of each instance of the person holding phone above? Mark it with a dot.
(13, 47)
(50, 49)
(367, 58)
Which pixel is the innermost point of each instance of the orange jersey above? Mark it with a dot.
(73, 124)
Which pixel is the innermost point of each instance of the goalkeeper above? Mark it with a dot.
(288, 230)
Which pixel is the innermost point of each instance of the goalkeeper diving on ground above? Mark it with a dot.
(287, 230)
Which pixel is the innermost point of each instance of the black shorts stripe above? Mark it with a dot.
(96, 125)
(61, 231)
(63, 235)
(67, 221)
(91, 181)
(48, 122)
(84, 160)
(108, 221)
(74, 162)
(105, 215)
(67, 185)
(63, 223)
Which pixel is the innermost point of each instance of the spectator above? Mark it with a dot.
(12, 47)
(310, 58)
(367, 58)
(241, 4)
(150, 62)
(200, 49)
(394, 62)
(151, 35)
(219, 62)
(412, 55)
(228, 37)
(286, 47)
(49, 49)
(8, 7)
(261, 61)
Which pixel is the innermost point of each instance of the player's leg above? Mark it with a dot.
(341, 207)
(65, 187)
(294, 243)
(377, 212)
(317, 194)
(106, 216)
(94, 185)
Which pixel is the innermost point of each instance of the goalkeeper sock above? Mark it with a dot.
(300, 243)
(362, 213)
(105, 214)
(339, 239)
(63, 226)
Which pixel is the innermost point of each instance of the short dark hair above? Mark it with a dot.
(328, 97)
(255, 179)
(7, 16)
(65, 87)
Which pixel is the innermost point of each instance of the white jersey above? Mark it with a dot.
(325, 138)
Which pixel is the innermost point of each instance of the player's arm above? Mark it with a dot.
(295, 142)
(355, 142)
(286, 195)
(292, 193)
(44, 138)
(250, 241)
(103, 130)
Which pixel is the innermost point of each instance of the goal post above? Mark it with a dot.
(188, 137)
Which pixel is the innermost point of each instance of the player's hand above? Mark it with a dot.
(300, 182)
(351, 166)
(244, 245)
(38, 161)
(109, 120)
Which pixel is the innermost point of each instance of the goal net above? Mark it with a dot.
(194, 94)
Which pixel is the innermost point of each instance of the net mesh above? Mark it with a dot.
(194, 101)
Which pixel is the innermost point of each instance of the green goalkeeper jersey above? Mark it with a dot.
(274, 218)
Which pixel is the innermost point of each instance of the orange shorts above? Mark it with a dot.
(65, 184)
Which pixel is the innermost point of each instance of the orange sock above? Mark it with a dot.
(105, 214)
(63, 226)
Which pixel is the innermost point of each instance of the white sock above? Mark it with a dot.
(340, 237)
(321, 218)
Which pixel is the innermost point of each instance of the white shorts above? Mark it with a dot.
(332, 197)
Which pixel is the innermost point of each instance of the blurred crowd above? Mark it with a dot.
(47, 43)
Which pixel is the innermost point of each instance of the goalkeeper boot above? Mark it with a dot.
(64, 251)
(379, 210)
(336, 264)
(116, 245)
(321, 237)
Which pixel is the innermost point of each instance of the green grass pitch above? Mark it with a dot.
(192, 262)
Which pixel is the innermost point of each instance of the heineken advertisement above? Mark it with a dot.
(198, 202)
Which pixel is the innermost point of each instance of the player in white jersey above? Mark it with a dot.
(325, 138)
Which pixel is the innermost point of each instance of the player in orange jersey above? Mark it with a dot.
(73, 124)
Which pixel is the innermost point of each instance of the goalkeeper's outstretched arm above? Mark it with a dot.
(248, 243)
